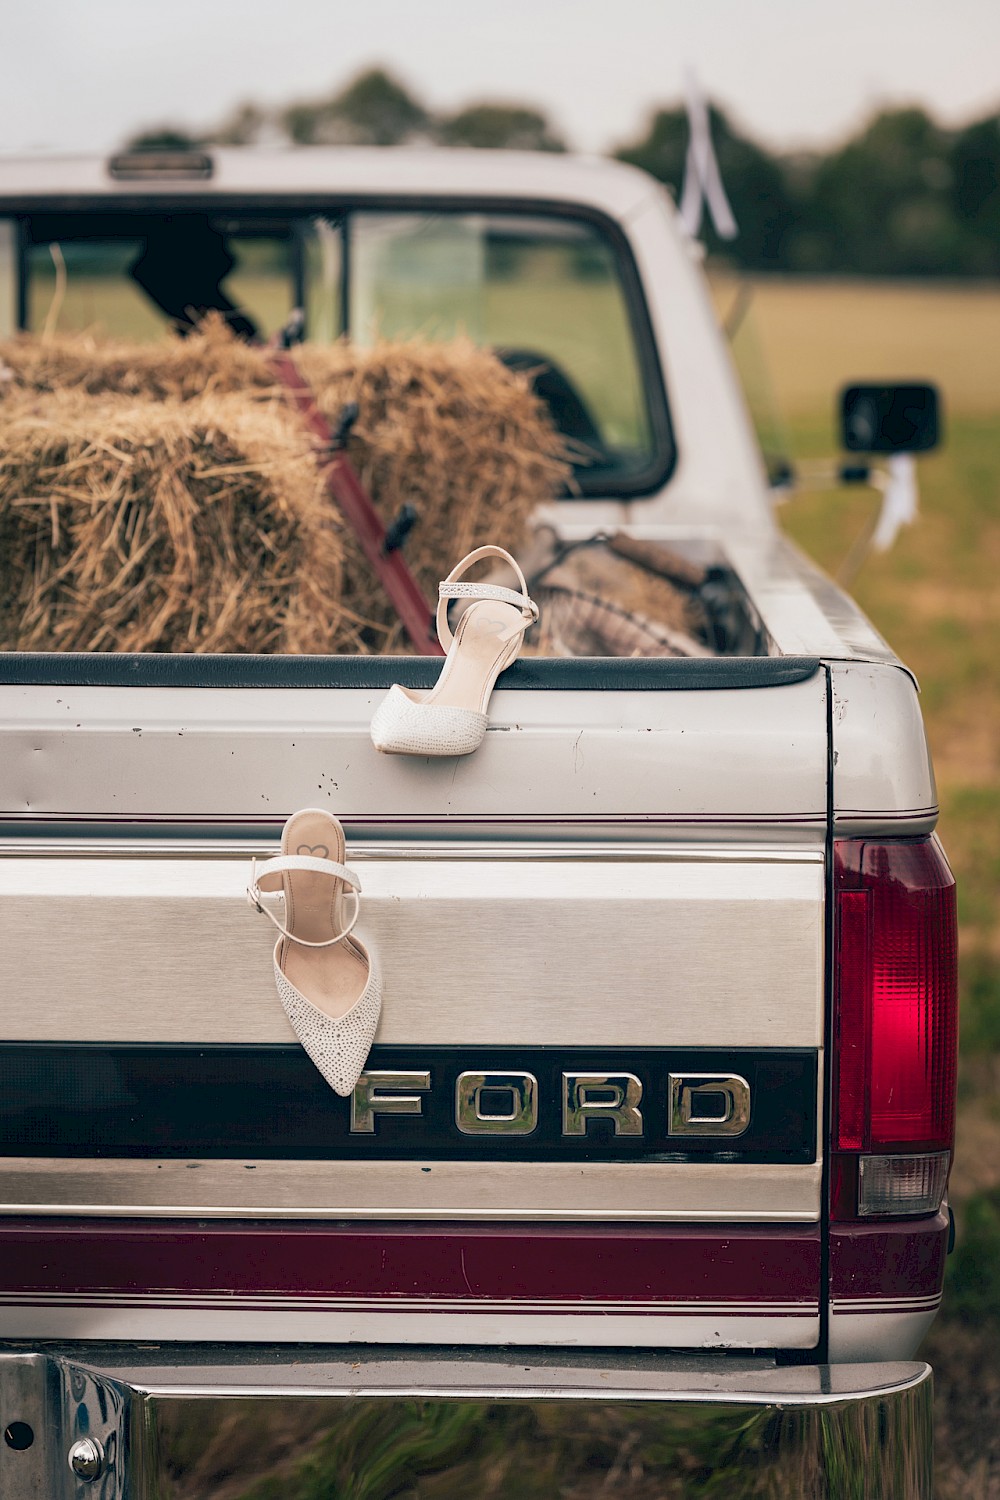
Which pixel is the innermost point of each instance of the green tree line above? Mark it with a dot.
(902, 197)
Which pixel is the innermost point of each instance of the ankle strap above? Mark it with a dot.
(284, 862)
(450, 589)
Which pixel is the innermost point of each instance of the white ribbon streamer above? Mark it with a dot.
(899, 500)
(702, 178)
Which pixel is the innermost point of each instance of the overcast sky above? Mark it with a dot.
(82, 74)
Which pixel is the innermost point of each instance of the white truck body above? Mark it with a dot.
(633, 876)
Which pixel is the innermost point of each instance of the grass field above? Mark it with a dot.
(936, 597)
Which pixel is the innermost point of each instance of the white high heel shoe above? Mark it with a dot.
(452, 719)
(327, 983)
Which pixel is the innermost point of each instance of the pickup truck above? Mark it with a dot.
(643, 1189)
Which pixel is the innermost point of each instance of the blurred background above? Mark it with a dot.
(859, 147)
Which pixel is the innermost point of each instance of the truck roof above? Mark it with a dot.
(365, 171)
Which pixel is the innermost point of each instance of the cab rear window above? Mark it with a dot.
(552, 295)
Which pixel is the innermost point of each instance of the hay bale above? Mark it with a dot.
(210, 361)
(450, 430)
(164, 498)
(196, 526)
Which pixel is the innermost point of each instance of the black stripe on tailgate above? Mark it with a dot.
(269, 1102)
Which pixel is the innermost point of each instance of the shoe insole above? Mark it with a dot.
(478, 655)
(317, 907)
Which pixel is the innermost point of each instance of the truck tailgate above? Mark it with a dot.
(591, 1111)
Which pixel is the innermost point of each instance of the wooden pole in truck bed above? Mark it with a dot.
(346, 489)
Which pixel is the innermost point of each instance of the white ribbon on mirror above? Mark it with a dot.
(899, 499)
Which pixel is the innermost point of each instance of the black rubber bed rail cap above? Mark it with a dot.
(535, 673)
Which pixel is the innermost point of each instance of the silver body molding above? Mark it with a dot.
(123, 1423)
(504, 952)
(283, 1319)
(659, 1192)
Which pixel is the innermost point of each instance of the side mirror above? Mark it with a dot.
(889, 418)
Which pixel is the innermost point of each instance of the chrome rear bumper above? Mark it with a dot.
(127, 1423)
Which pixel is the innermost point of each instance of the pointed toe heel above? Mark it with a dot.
(328, 983)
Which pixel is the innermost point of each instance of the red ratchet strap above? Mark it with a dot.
(355, 504)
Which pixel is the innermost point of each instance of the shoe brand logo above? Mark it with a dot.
(705, 1105)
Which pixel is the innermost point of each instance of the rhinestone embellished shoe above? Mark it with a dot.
(327, 983)
(451, 719)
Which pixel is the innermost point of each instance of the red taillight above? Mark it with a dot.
(895, 998)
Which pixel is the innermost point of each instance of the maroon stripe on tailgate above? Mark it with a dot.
(639, 1263)
(885, 1261)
